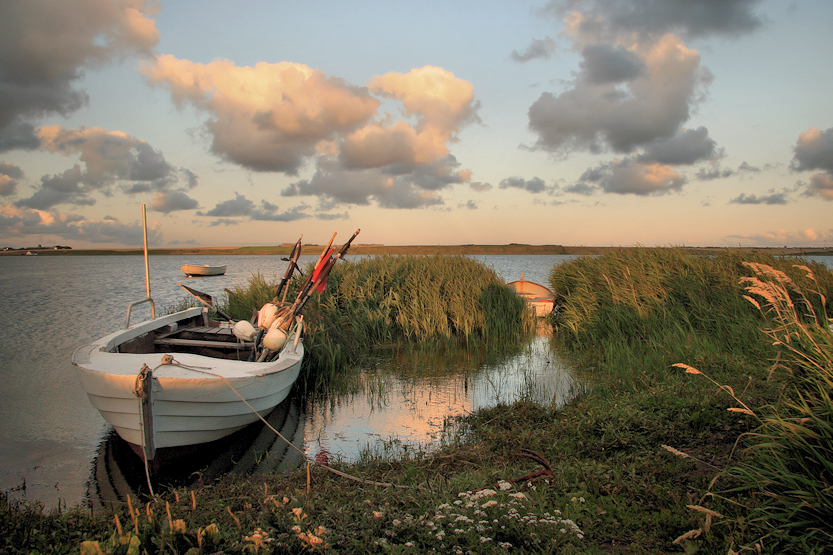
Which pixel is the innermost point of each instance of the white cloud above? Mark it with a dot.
(45, 44)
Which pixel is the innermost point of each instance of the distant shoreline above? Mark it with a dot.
(513, 248)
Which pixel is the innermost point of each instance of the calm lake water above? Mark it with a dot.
(57, 449)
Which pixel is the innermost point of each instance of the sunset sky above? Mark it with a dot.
(574, 122)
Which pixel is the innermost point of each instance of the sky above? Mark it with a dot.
(571, 122)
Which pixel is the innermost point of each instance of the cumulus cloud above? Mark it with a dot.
(171, 201)
(538, 49)
(19, 222)
(598, 113)
(603, 63)
(270, 212)
(362, 188)
(269, 117)
(784, 237)
(107, 158)
(628, 176)
(63, 188)
(636, 87)
(814, 151)
(605, 18)
(773, 198)
(581, 188)
(45, 45)
(687, 147)
(9, 177)
(534, 185)
(233, 211)
(280, 117)
(438, 102)
(714, 171)
(107, 155)
(821, 184)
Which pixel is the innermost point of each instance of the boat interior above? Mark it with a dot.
(196, 335)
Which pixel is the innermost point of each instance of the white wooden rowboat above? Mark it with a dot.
(538, 297)
(181, 380)
(202, 270)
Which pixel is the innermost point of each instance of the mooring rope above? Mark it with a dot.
(139, 391)
(169, 360)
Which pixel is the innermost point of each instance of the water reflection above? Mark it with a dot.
(402, 401)
(118, 472)
(406, 400)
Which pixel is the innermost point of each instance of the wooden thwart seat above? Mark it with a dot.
(212, 337)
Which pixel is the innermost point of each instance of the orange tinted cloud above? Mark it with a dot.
(269, 117)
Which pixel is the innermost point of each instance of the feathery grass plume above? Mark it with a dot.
(791, 455)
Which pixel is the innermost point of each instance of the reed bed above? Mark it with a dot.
(636, 311)
(699, 435)
(402, 301)
(790, 454)
(635, 314)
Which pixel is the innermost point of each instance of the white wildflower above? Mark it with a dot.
(503, 485)
(484, 493)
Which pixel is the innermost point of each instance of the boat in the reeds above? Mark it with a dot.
(538, 297)
(185, 379)
(202, 270)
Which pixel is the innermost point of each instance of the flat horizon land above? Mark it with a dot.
(358, 248)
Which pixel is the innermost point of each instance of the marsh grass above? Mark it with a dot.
(632, 461)
(409, 302)
(789, 462)
(637, 311)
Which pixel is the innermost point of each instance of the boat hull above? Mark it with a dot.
(193, 399)
(540, 299)
(201, 270)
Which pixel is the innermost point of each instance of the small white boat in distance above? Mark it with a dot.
(194, 270)
(182, 379)
(538, 297)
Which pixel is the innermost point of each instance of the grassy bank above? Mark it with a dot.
(724, 452)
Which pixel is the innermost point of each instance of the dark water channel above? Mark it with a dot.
(56, 448)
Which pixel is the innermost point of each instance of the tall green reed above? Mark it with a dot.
(397, 301)
(405, 300)
(637, 311)
(790, 462)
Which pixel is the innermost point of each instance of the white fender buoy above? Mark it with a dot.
(266, 315)
(274, 338)
(244, 330)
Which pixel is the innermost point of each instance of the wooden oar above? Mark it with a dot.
(293, 265)
(207, 300)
